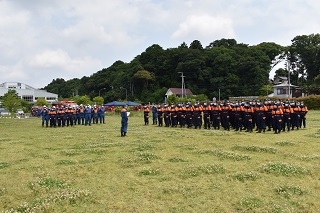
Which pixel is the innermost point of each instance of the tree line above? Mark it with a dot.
(234, 69)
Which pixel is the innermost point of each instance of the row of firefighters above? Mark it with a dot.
(277, 116)
(69, 116)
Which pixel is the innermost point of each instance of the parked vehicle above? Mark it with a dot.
(3, 111)
(19, 113)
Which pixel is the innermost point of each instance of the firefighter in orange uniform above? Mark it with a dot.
(277, 116)
(146, 111)
(74, 115)
(197, 115)
(166, 115)
(248, 121)
(160, 111)
(53, 116)
(286, 121)
(225, 116)
(261, 117)
(181, 115)
(69, 113)
(238, 116)
(215, 115)
(95, 114)
(189, 115)
(206, 115)
(174, 115)
(81, 113)
(295, 116)
(303, 113)
(269, 121)
(60, 117)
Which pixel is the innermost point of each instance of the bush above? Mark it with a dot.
(311, 101)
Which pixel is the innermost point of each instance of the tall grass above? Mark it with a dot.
(157, 169)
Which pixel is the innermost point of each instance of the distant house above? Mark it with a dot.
(282, 90)
(178, 92)
(27, 92)
(279, 80)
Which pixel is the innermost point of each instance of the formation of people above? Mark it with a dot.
(71, 115)
(261, 116)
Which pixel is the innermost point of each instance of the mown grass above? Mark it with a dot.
(157, 169)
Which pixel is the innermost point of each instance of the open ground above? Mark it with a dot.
(157, 169)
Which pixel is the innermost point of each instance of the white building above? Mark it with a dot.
(282, 90)
(27, 92)
(178, 92)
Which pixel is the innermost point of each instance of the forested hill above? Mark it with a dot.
(236, 69)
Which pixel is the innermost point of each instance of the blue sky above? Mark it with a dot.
(41, 40)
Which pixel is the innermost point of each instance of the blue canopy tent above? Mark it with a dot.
(115, 103)
(131, 103)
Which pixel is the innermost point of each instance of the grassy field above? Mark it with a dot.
(157, 169)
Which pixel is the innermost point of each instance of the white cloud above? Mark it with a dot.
(13, 73)
(204, 27)
(60, 60)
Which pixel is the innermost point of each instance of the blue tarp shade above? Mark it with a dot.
(115, 103)
(131, 103)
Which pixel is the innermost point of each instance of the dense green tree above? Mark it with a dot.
(11, 101)
(26, 106)
(84, 100)
(98, 100)
(272, 50)
(41, 102)
(196, 44)
(305, 55)
(222, 42)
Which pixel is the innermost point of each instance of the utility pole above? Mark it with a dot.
(100, 90)
(288, 66)
(183, 86)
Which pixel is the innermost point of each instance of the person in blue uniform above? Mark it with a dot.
(101, 112)
(87, 115)
(124, 121)
(45, 116)
(154, 115)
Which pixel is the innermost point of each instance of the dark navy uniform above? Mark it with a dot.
(124, 121)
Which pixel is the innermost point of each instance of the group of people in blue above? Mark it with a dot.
(70, 115)
(246, 116)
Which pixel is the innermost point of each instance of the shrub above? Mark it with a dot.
(284, 169)
(244, 176)
(255, 149)
(4, 165)
(311, 101)
(288, 191)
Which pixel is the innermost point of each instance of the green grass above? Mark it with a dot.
(157, 169)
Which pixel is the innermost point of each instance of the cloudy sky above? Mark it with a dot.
(41, 40)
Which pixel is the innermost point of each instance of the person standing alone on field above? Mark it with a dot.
(124, 121)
